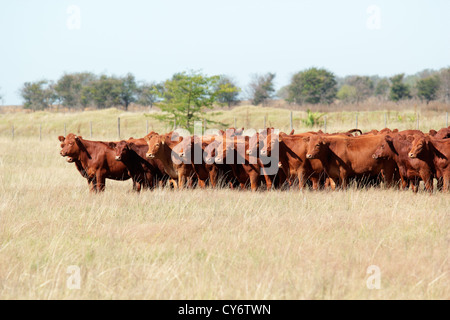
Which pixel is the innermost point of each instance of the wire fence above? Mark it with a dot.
(89, 128)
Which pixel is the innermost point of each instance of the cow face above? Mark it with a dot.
(210, 152)
(384, 150)
(419, 143)
(253, 145)
(122, 150)
(315, 146)
(184, 149)
(154, 143)
(70, 146)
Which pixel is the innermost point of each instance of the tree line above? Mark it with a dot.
(184, 96)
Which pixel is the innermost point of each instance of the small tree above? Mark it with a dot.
(149, 93)
(313, 86)
(399, 90)
(185, 98)
(38, 95)
(128, 90)
(363, 87)
(427, 88)
(261, 88)
(382, 88)
(69, 88)
(105, 92)
(347, 94)
(444, 87)
(227, 91)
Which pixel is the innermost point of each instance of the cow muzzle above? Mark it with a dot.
(411, 155)
(309, 156)
(118, 158)
(150, 155)
(263, 152)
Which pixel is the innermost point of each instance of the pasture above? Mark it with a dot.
(208, 244)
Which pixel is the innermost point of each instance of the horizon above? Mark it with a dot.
(153, 40)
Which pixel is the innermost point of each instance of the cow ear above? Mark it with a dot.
(131, 146)
(306, 139)
(112, 145)
(389, 139)
(410, 138)
(61, 138)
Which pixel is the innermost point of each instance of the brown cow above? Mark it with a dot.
(396, 147)
(348, 157)
(145, 173)
(435, 153)
(164, 148)
(291, 151)
(95, 159)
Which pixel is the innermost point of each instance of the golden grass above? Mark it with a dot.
(134, 124)
(210, 244)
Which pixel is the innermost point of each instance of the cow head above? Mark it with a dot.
(419, 143)
(268, 142)
(316, 144)
(122, 149)
(70, 146)
(383, 151)
(210, 151)
(154, 142)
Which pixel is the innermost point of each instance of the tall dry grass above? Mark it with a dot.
(210, 244)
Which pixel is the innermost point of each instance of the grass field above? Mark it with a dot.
(207, 244)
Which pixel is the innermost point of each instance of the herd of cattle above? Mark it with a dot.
(392, 158)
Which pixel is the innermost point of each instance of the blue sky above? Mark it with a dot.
(154, 39)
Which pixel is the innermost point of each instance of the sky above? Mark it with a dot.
(155, 39)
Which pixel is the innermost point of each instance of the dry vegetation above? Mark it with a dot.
(212, 244)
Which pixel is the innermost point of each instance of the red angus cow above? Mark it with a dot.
(292, 151)
(145, 173)
(95, 159)
(349, 157)
(397, 147)
(164, 148)
(435, 154)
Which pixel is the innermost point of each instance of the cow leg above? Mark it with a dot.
(254, 182)
(92, 184)
(414, 184)
(100, 181)
(428, 180)
(202, 184)
(446, 182)
(301, 179)
(389, 177)
(181, 181)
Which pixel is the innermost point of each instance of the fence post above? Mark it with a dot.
(264, 127)
(356, 121)
(290, 120)
(118, 127)
(40, 131)
(90, 128)
(234, 122)
(65, 129)
(204, 120)
(147, 125)
(325, 124)
(417, 125)
(385, 120)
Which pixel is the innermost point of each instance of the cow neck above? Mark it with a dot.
(167, 162)
(85, 156)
